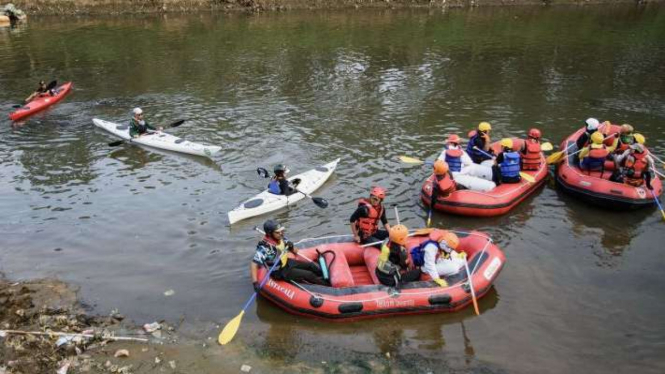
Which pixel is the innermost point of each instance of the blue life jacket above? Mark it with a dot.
(475, 154)
(510, 167)
(418, 253)
(273, 187)
(454, 159)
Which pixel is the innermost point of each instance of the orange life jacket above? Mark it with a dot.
(368, 225)
(446, 185)
(635, 164)
(531, 158)
(621, 147)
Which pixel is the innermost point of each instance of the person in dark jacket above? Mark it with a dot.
(138, 126)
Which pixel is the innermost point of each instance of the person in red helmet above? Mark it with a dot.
(531, 151)
(365, 220)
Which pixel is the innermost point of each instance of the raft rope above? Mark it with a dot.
(391, 294)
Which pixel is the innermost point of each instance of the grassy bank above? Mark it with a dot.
(49, 7)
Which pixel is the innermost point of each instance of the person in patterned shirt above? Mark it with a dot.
(274, 247)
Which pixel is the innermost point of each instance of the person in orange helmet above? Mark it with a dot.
(365, 220)
(394, 267)
(438, 256)
(444, 184)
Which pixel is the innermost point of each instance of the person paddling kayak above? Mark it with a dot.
(280, 185)
(41, 90)
(138, 126)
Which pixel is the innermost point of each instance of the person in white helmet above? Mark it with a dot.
(138, 126)
(592, 125)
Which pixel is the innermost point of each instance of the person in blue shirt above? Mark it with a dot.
(280, 185)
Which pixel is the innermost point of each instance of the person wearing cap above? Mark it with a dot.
(463, 170)
(441, 257)
(507, 164)
(620, 144)
(480, 140)
(365, 219)
(41, 91)
(394, 267)
(280, 185)
(275, 247)
(593, 156)
(634, 166)
(138, 126)
(531, 152)
(583, 140)
(454, 155)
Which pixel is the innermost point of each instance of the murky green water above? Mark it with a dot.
(582, 290)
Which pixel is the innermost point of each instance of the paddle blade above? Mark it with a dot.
(230, 329)
(410, 160)
(422, 232)
(263, 173)
(16, 106)
(116, 143)
(51, 85)
(320, 202)
(527, 177)
(546, 147)
(555, 158)
(176, 123)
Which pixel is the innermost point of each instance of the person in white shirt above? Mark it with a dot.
(465, 172)
(441, 257)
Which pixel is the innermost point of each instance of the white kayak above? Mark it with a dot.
(158, 139)
(266, 202)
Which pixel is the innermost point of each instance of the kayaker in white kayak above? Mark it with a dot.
(138, 126)
(280, 185)
(41, 90)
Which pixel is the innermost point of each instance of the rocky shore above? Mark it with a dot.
(55, 7)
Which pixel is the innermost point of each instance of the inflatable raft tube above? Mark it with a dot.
(499, 200)
(595, 187)
(357, 294)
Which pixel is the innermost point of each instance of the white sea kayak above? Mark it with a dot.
(266, 202)
(158, 139)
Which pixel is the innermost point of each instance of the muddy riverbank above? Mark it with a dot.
(63, 7)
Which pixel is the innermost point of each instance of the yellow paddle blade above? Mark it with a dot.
(555, 158)
(663, 213)
(230, 329)
(421, 232)
(546, 147)
(527, 177)
(410, 160)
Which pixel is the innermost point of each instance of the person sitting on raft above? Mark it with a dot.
(530, 151)
(622, 143)
(444, 185)
(275, 247)
(464, 171)
(591, 127)
(593, 156)
(507, 164)
(634, 166)
(480, 141)
(41, 91)
(454, 155)
(279, 185)
(394, 267)
(365, 220)
(439, 256)
(138, 126)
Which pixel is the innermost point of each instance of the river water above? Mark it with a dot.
(582, 291)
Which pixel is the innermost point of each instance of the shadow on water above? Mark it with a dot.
(425, 333)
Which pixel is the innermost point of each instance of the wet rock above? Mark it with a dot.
(121, 353)
(245, 368)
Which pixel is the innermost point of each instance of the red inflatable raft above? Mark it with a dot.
(595, 187)
(41, 102)
(357, 294)
(498, 201)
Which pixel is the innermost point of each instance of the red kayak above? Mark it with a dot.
(41, 103)
(498, 201)
(356, 292)
(595, 186)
